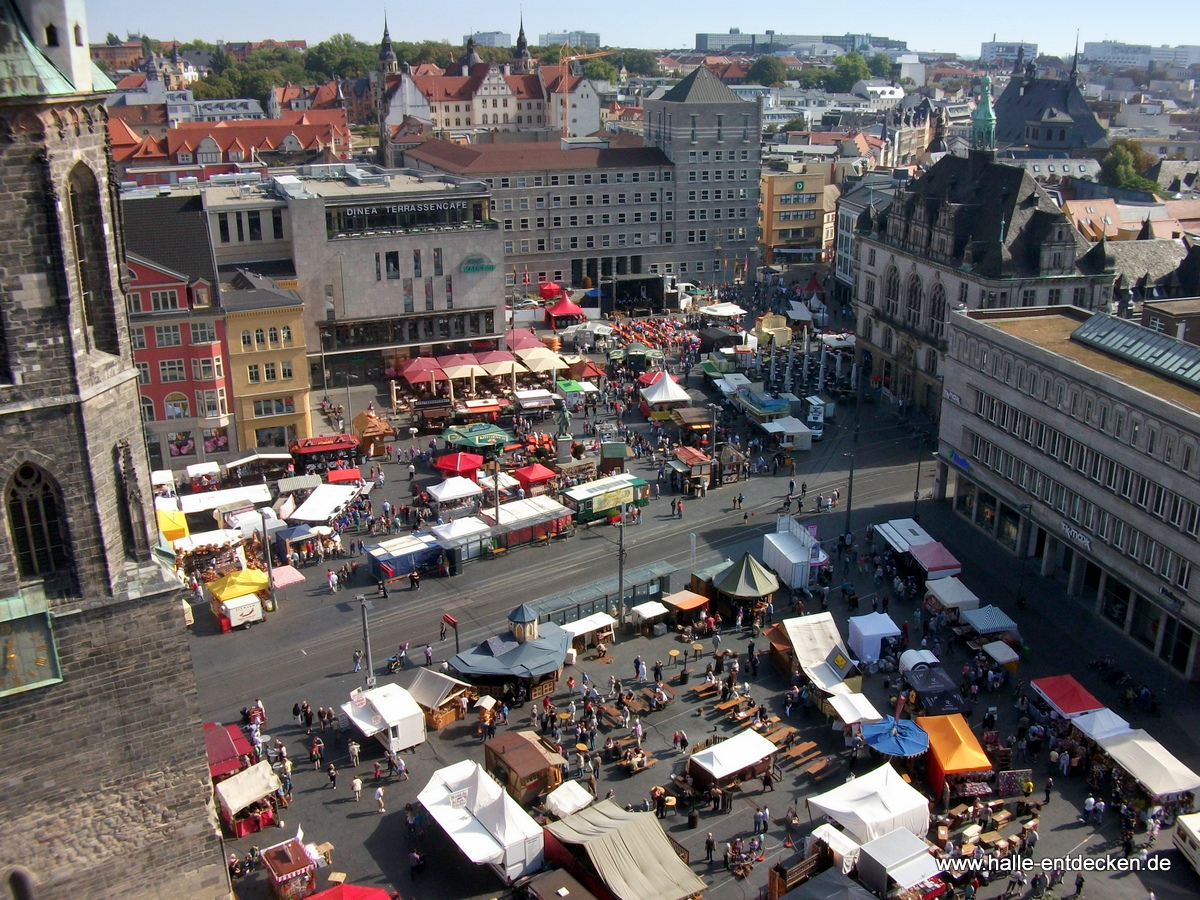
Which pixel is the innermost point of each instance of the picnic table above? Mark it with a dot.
(781, 734)
(733, 703)
(820, 768)
(704, 691)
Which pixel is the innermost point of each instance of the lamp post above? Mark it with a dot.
(349, 408)
(621, 564)
(917, 486)
(850, 488)
(364, 605)
(325, 335)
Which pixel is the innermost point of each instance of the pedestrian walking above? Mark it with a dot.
(296, 714)
(414, 580)
(356, 787)
(358, 657)
(379, 798)
(428, 655)
(331, 771)
(1049, 787)
(355, 749)
(442, 632)
(710, 845)
(1078, 886)
(401, 768)
(591, 783)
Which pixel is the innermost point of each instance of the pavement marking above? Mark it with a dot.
(1080, 844)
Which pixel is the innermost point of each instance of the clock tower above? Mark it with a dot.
(99, 706)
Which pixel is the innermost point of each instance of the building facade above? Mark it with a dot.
(91, 624)
(490, 38)
(798, 212)
(579, 40)
(1068, 448)
(1005, 53)
(874, 191)
(711, 136)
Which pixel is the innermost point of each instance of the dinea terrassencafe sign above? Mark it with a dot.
(431, 206)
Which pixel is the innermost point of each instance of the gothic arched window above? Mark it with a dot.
(91, 260)
(36, 519)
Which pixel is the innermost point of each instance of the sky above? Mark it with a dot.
(667, 24)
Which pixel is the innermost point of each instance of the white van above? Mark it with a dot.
(1187, 839)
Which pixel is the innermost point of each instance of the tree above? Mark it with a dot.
(640, 62)
(808, 79)
(799, 123)
(767, 70)
(881, 65)
(1118, 171)
(600, 70)
(1142, 161)
(220, 61)
(147, 45)
(341, 56)
(112, 40)
(848, 71)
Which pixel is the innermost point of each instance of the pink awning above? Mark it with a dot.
(286, 576)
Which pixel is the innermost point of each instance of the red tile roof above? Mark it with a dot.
(140, 113)
(131, 83)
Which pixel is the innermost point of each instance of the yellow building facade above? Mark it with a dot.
(797, 216)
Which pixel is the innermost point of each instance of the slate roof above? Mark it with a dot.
(1026, 99)
(479, 159)
(701, 86)
(171, 231)
(1146, 263)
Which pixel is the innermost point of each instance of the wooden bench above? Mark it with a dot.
(729, 704)
(649, 694)
(668, 690)
(704, 691)
(803, 758)
(800, 749)
(780, 735)
(816, 768)
(650, 761)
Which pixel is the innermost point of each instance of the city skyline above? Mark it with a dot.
(621, 23)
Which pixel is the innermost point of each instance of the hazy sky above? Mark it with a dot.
(958, 27)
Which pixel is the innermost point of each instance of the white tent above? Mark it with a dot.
(902, 534)
(845, 849)
(454, 488)
(246, 787)
(722, 311)
(251, 495)
(430, 689)
(206, 538)
(569, 797)
(951, 593)
(898, 856)
(389, 714)
(1103, 723)
(918, 659)
(867, 633)
(874, 804)
(791, 431)
(988, 620)
(526, 513)
(649, 610)
(588, 624)
(199, 470)
(325, 502)
(665, 390)
(739, 752)
(487, 824)
(1148, 761)
(854, 708)
(461, 529)
(798, 312)
(813, 638)
(1001, 652)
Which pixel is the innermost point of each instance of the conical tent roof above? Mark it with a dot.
(747, 578)
(664, 391)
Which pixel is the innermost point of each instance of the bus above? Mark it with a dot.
(1187, 839)
(602, 497)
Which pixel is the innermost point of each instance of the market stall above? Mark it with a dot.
(867, 633)
(814, 641)
(603, 497)
(237, 599)
(398, 557)
(613, 457)
(569, 797)
(458, 463)
(589, 631)
(349, 475)
(291, 869)
(951, 596)
(526, 764)
(937, 692)
(535, 399)
(325, 503)
(936, 560)
(902, 534)
(854, 709)
(660, 398)
(727, 464)
(455, 497)
(1159, 773)
(647, 617)
(874, 804)
(687, 605)
(373, 433)
(247, 799)
(788, 433)
(226, 748)
(486, 824)
(898, 738)
(1002, 655)
(389, 714)
(439, 697)
(988, 620)
(692, 470)
(1099, 724)
(748, 585)
(470, 536)
(955, 756)
(793, 552)
(833, 883)
(324, 451)
(1065, 695)
(535, 479)
(740, 758)
(527, 657)
(210, 554)
(259, 465)
(529, 520)
(574, 393)
(289, 540)
(897, 862)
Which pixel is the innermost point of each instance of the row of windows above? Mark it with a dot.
(389, 262)
(497, 119)
(274, 406)
(1136, 488)
(172, 335)
(798, 215)
(262, 338)
(522, 203)
(729, 175)
(796, 199)
(248, 225)
(718, 194)
(702, 214)
(209, 405)
(587, 220)
(729, 155)
(521, 181)
(1143, 433)
(407, 290)
(259, 372)
(637, 238)
(887, 343)
(170, 370)
(531, 104)
(1111, 529)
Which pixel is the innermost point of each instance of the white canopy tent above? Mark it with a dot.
(528, 512)
(588, 624)
(813, 638)
(898, 856)
(951, 593)
(1150, 763)
(665, 390)
(251, 495)
(918, 659)
(199, 470)
(722, 311)
(1001, 652)
(853, 709)
(798, 312)
(461, 529)
(874, 804)
(902, 534)
(1103, 723)
(988, 620)
(569, 797)
(389, 714)
(248, 786)
(487, 824)
(430, 689)
(739, 752)
(649, 610)
(489, 480)
(454, 488)
(325, 502)
(845, 849)
(867, 634)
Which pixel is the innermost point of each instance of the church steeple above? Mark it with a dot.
(522, 63)
(983, 120)
(388, 64)
(1019, 65)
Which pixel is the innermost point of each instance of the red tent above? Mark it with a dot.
(549, 290)
(341, 476)
(813, 286)
(459, 464)
(224, 745)
(534, 474)
(653, 377)
(1066, 695)
(565, 308)
(351, 892)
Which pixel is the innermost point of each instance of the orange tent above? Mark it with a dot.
(953, 749)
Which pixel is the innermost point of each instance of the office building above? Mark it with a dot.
(578, 40)
(489, 38)
(798, 214)
(1004, 53)
(1074, 440)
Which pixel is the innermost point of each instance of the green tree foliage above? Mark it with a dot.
(219, 63)
(600, 70)
(880, 65)
(767, 70)
(848, 69)
(1142, 161)
(809, 79)
(341, 55)
(112, 40)
(149, 46)
(1118, 171)
(640, 62)
(799, 123)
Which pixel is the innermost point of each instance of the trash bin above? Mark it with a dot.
(684, 675)
(693, 819)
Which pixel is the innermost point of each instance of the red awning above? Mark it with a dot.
(339, 476)
(325, 444)
(225, 745)
(1066, 695)
(565, 307)
(534, 474)
(935, 559)
(459, 463)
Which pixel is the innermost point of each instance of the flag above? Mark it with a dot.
(901, 699)
(526, 278)
(746, 267)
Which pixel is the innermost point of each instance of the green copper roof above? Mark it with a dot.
(24, 71)
(100, 81)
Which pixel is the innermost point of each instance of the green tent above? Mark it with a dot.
(747, 579)
(480, 436)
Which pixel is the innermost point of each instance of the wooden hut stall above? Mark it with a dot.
(527, 765)
(439, 697)
(373, 433)
(747, 584)
(740, 758)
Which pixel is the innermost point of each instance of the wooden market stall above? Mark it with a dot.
(526, 765)
(693, 467)
(291, 870)
(535, 479)
(247, 799)
(373, 433)
(440, 697)
(740, 758)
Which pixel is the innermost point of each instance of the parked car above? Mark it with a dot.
(525, 303)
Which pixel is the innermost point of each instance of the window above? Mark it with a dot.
(392, 264)
(147, 409)
(276, 406)
(167, 336)
(143, 369)
(223, 227)
(176, 406)
(247, 343)
(417, 260)
(277, 224)
(137, 338)
(211, 404)
(269, 371)
(203, 333)
(437, 258)
(428, 294)
(450, 283)
(164, 300)
(87, 227)
(260, 337)
(252, 374)
(254, 221)
(207, 369)
(407, 291)
(286, 333)
(37, 522)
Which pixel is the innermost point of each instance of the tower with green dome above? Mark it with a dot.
(983, 120)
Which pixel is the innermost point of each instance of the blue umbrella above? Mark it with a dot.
(895, 737)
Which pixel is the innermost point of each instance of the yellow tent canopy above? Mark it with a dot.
(238, 584)
(953, 749)
(172, 524)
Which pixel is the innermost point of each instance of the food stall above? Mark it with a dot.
(937, 692)
(1065, 695)
(1156, 776)
(527, 657)
(874, 804)
(613, 456)
(210, 554)
(535, 479)
(438, 695)
(574, 393)
(226, 748)
(747, 584)
(740, 758)
(259, 465)
(389, 714)
(529, 520)
(237, 598)
(793, 552)
(1002, 655)
(788, 433)
(951, 596)
(588, 632)
(867, 633)
(1103, 723)
(988, 620)
(291, 869)
(316, 454)
(936, 560)
(692, 469)
(955, 757)
(661, 397)
(899, 865)
(688, 606)
(247, 799)
(373, 433)
(455, 497)
(526, 764)
(325, 504)
(398, 557)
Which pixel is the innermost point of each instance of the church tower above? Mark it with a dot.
(983, 120)
(96, 661)
(522, 63)
(388, 64)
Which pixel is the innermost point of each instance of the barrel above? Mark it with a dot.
(693, 819)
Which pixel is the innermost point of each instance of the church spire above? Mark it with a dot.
(1075, 62)
(983, 120)
(387, 56)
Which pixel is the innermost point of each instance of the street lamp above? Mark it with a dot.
(850, 489)
(364, 605)
(349, 408)
(917, 487)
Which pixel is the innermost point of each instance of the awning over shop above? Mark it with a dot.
(224, 745)
(286, 576)
(1101, 723)
(588, 624)
(936, 560)
(344, 476)
(248, 786)
(1153, 766)
(903, 534)
(952, 593)
(430, 689)
(854, 708)
(250, 495)
(649, 610)
(298, 483)
(988, 620)
(1066, 695)
(685, 600)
